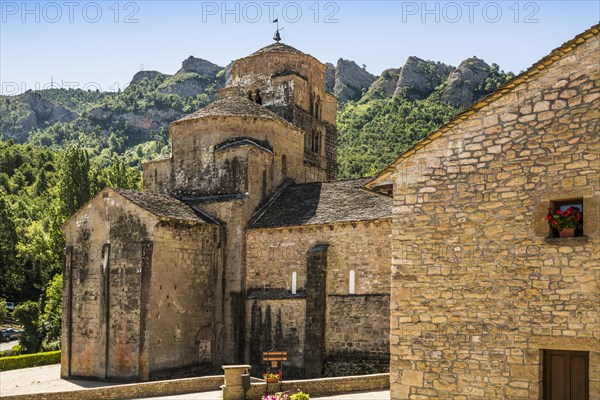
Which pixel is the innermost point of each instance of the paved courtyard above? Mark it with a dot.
(383, 395)
(47, 379)
(8, 345)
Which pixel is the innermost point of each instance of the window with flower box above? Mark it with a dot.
(583, 199)
(565, 218)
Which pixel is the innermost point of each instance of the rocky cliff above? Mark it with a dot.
(419, 78)
(199, 66)
(150, 75)
(30, 111)
(350, 80)
(464, 82)
(385, 85)
(330, 77)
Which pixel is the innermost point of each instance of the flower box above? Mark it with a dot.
(272, 378)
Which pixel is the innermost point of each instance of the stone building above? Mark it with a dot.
(486, 303)
(241, 242)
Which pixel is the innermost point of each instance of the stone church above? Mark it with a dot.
(241, 242)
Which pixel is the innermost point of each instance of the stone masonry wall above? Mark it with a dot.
(360, 246)
(102, 313)
(276, 325)
(356, 326)
(181, 300)
(256, 72)
(479, 290)
(194, 170)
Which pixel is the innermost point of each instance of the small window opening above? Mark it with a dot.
(352, 282)
(565, 218)
(315, 142)
(283, 165)
(257, 97)
(318, 108)
(294, 282)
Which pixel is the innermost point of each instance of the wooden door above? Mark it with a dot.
(566, 375)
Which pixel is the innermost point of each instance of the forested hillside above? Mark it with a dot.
(61, 146)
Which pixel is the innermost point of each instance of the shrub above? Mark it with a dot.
(300, 396)
(29, 360)
(51, 346)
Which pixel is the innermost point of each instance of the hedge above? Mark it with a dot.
(29, 360)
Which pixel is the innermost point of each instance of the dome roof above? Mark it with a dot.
(233, 106)
(277, 48)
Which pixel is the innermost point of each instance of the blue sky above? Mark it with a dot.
(103, 43)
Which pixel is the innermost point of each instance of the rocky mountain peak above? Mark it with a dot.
(42, 112)
(330, 77)
(199, 66)
(385, 85)
(464, 81)
(419, 78)
(350, 80)
(150, 75)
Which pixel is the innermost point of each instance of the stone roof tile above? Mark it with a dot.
(324, 202)
(277, 48)
(233, 106)
(163, 206)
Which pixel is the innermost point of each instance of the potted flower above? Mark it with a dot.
(276, 396)
(272, 378)
(565, 222)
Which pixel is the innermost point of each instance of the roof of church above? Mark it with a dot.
(277, 48)
(244, 141)
(322, 203)
(162, 205)
(554, 56)
(233, 106)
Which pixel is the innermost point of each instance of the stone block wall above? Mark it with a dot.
(181, 296)
(358, 324)
(479, 291)
(257, 70)
(360, 246)
(355, 326)
(157, 176)
(138, 297)
(276, 325)
(101, 316)
(197, 171)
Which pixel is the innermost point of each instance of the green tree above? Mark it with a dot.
(117, 175)
(28, 314)
(74, 180)
(51, 317)
(9, 278)
(41, 183)
(3, 310)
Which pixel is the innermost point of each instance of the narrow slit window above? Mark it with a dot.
(352, 282)
(294, 282)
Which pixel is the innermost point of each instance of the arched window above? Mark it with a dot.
(318, 108)
(250, 97)
(283, 165)
(257, 97)
(315, 141)
(352, 282)
(294, 282)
